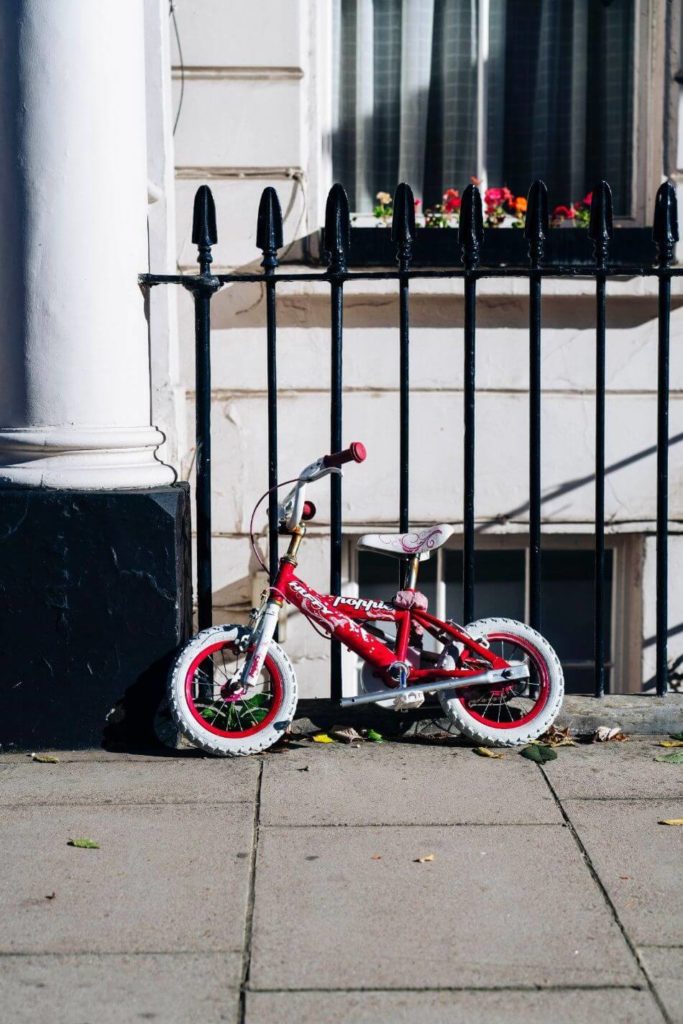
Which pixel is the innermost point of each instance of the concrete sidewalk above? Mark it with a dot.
(288, 888)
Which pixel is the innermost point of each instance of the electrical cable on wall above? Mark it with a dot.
(171, 11)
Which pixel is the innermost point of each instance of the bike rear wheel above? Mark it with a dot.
(513, 713)
(212, 711)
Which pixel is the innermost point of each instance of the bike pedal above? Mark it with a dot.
(408, 701)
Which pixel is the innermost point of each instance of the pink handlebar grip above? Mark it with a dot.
(354, 453)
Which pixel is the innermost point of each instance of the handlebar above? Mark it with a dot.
(354, 453)
(291, 511)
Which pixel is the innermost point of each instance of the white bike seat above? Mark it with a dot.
(405, 545)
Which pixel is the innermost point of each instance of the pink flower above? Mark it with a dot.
(416, 203)
(587, 200)
(497, 196)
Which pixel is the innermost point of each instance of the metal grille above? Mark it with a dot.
(337, 241)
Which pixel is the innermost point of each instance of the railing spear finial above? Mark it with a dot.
(536, 222)
(471, 226)
(337, 236)
(403, 225)
(204, 233)
(600, 224)
(665, 224)
(269, 228)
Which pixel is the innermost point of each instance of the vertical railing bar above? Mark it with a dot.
(403, 234)
(404, 400)
(600, 230)
(536, 227)
(337, 243)
(665, 233)
(599, 583)
(271, 357)
(203, 286)
(662, 557)
(269, 239)
(471, 232)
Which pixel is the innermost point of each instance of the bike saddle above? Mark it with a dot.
(406, 545)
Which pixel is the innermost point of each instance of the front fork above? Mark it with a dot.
(261, 640)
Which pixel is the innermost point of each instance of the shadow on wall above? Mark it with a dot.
(578, 482)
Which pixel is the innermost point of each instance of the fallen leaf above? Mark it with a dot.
(555, 737)
(45, 758)
(304, 769)
(625, 878)
(670, 743)
(670, 821)
(675, 758)
(424, 860)
(376, 856)
(540, 753)
(345, 734)
(84, 844)
(487, 752)
(374, 736)
(51, 896)
(605, 733)
(322, 737)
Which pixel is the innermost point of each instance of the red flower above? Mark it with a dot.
(416, 203)
(564, 213)
(497, 197)
(451, 200)
(587, 200)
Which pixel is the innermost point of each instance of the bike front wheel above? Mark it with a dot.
(211, 710)
(514, 713)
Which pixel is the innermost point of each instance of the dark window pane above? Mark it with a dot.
(499, 584)
(567, 610)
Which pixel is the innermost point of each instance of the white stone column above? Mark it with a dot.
(74, 353)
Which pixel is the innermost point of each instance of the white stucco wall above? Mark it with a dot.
(256, 94)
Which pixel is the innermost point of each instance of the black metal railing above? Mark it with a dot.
(337, 241)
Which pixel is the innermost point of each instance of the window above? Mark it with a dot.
(501, 590)
(434, 92)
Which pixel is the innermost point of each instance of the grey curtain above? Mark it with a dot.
(555, 92)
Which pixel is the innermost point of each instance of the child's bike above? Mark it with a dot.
(232, 689)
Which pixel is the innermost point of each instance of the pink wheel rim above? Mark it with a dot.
(543, 682)
(276, 695)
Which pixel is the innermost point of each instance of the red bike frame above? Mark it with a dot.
(341, 618)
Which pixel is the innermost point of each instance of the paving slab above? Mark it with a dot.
(163, 781)
(569, 1007)
(394, 783)
(498, 906)
(665, 967)
(614, 770)
(165, 879)
(174, 988)
(638, 861)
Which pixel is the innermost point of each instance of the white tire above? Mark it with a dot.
(519, 714)
(194, 712)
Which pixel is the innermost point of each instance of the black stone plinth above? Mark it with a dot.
(95, 596)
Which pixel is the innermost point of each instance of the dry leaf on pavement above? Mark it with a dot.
(670, 821)
(670, 743)
(605, 733)
(555, 737)
(487, 752)
(345, 734)
(322, 737)
(45, 758)
(424, 860)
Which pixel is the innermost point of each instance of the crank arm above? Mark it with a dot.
(494, 677)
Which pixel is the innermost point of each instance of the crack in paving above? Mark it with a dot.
(605, 895)
(251, 901)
